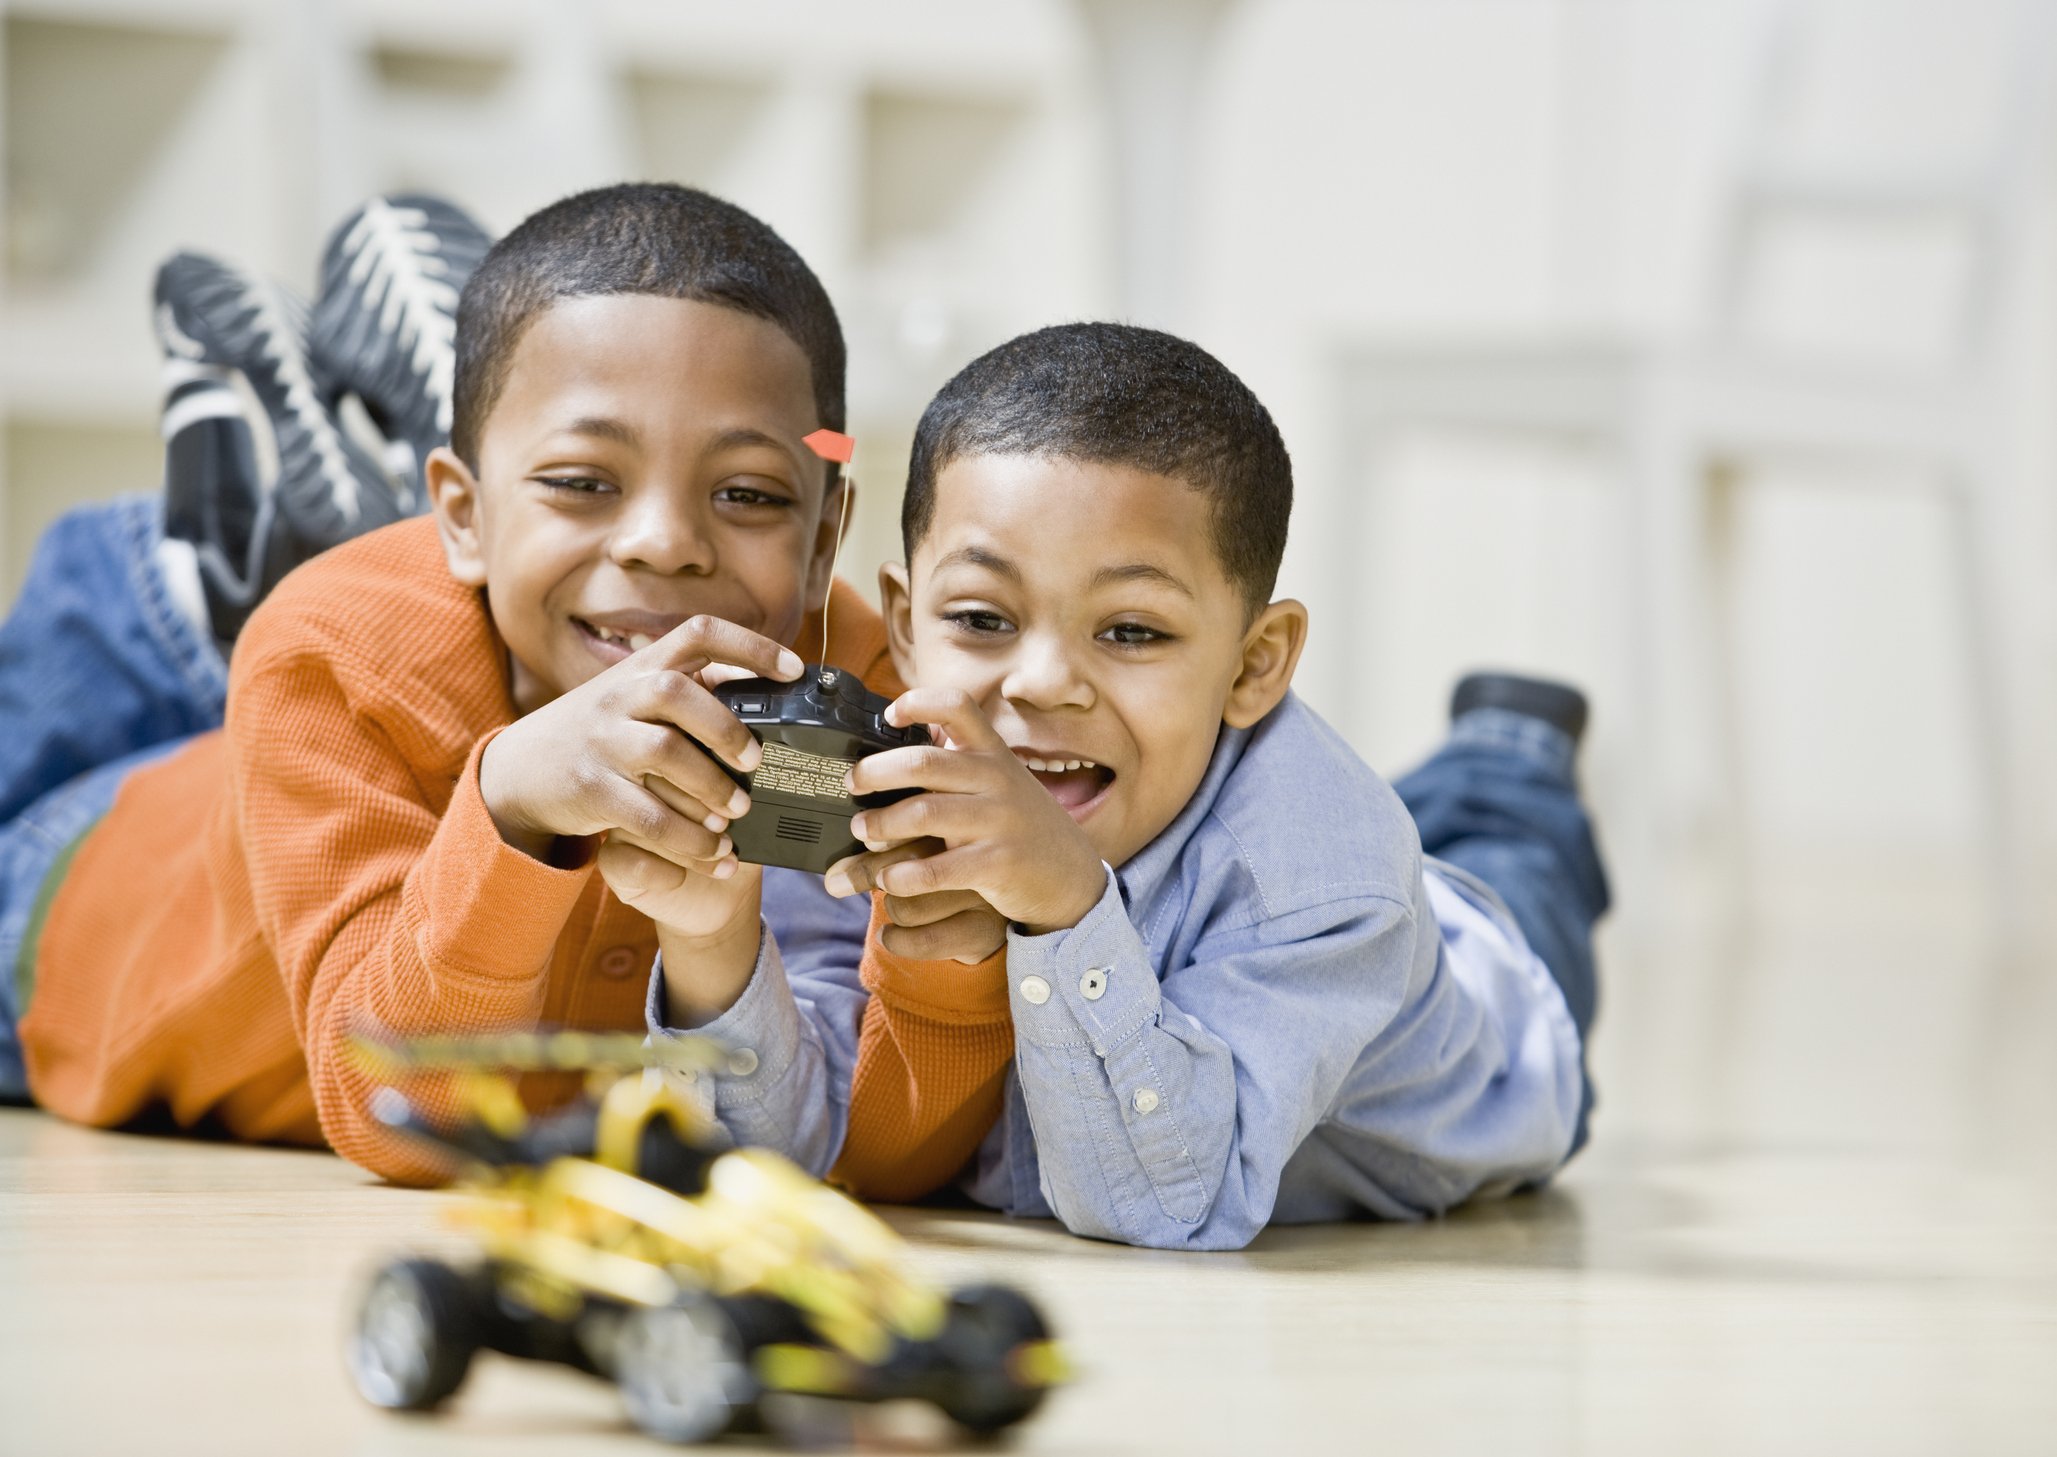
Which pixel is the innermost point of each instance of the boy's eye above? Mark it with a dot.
(578, 485)
(751, 496)
(1134, 634)
(977, 620)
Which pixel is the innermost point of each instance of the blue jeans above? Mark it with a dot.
(1500, 800)
(100, 672)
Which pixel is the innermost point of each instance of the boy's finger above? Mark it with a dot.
(701, 640)
(951, 818)
(950, 709)
(921, 766)
(716, 674)
(931, 874)
(858, 874)
(627, 867)
(700, 857)
(684, 765)
(674, 699)
(969, 937)
(713, 819)
(644, 820)
(926, 910)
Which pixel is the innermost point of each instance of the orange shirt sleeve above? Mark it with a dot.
(932, 1058)
(382, 913)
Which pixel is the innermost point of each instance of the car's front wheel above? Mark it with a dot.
(415, 1335)
(683, 1372)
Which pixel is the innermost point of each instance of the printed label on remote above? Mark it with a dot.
(787, 770)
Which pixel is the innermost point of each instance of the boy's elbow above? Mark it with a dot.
(1219, 1229)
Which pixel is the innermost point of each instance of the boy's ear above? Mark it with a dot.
(1271, 650)
(896, 601)
(836, 505)
(454, 498)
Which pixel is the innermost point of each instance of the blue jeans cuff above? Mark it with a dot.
(1505, 731)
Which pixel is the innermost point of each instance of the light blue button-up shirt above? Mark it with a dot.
(1279, 1010)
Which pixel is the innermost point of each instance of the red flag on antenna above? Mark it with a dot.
(831, 445)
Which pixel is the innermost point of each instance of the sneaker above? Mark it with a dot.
(1557, 704)
(385, 325)
(258, 475)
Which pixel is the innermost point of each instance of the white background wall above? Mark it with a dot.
(1364, 168)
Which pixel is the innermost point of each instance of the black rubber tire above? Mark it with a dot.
(683, 1371)
(985, 1325)
(415, 1335)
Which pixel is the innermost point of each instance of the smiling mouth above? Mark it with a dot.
(611, 645)
(1077, 784)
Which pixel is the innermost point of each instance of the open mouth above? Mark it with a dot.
(1077, 784)
(613, 646)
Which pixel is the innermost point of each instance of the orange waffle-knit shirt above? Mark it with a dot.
(932, 1057)
(326, 861)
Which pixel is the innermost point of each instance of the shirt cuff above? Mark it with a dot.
(761, 1029)
(1091, 985)
(479, 892)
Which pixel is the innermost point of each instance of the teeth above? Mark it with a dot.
(1058, 766)
(638, 641)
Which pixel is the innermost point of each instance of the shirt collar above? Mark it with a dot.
(1144, 873)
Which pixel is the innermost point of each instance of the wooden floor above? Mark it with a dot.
(1820, 1216)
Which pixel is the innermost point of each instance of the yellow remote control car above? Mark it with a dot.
(618, 1238)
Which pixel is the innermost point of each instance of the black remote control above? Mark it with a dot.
(813, 729)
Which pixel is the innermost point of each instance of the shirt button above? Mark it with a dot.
(619, 962)
(742, 1062)
(1035, 990)
(1145, 1100)
(1093, 985)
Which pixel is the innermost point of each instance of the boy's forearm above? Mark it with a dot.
(931, 1063)
(704, 975)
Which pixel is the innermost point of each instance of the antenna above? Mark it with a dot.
(842, 520)
(832, 445)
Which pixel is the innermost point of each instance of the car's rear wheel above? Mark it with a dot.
(986, 1324)
(683, 1372)
(415, 1335)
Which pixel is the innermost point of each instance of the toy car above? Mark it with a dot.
(617, 1239)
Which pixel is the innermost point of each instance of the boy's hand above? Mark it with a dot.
(950, 925)
(707, 929)
(695, 902)
(630, 752)
(1006, 841)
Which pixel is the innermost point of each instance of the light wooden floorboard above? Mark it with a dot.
(1820, 1215)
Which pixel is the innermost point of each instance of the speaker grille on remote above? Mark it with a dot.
(807, 832)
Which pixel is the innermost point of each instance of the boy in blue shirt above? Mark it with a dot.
(1239, 991)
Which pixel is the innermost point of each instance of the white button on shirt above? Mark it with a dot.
(1035, 990)
(1093, 985)
(1145, 1100)
(742, 1062)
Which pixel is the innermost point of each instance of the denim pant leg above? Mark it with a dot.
(97, 660)
(30, 845)
(1499, 800)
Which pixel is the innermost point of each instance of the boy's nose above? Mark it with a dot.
(661, 535)
(1045, 674)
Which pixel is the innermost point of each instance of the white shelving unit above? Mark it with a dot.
(935, 163)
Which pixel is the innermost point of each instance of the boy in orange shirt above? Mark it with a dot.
(461, 752)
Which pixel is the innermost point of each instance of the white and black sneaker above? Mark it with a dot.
(385, 324)
(258, 475)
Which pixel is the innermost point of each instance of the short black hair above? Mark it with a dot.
(636, 237)
(1117, 394)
